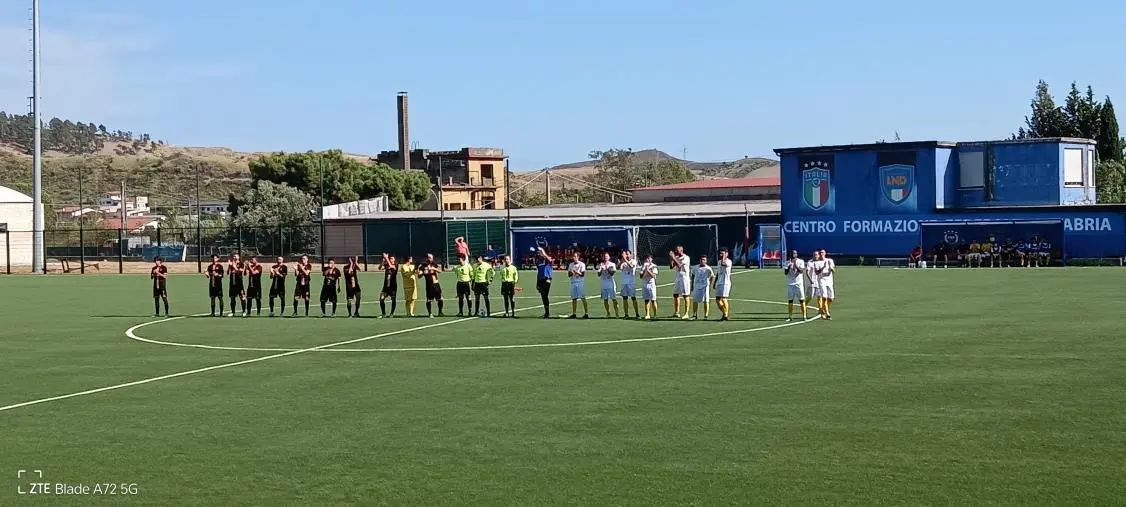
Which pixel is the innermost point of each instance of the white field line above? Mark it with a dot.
(236, 363)
(129, 332)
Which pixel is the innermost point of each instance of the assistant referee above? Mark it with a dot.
(543, 280)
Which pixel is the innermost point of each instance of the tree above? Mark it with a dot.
(619, 169)
(1110, 177)
(1047, 119)
(1110, 142)
(345, 179)
(272, 207)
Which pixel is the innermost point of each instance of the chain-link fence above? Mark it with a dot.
(188, 249)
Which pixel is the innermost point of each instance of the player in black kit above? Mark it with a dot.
(330, 287)
(254, 286)
(304, 276)
(235, 272)
(352, 285)
(429, 271)
(277, 284)
(159, 277)
(390, 285)
(215, 284)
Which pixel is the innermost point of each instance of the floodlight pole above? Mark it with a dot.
(37, 259)
(507, 211)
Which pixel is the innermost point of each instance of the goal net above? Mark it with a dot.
(697, 240)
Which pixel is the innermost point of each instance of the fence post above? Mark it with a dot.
(81, 244)
(8, 249)
(238, 242)
(199, 247)
(364, 240)
(120, 251)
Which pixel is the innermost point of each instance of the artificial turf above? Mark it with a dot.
(939, 386)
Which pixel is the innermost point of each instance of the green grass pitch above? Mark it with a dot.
(932, 386)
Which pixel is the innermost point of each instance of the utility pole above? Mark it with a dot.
(81, 227)
(507, 211)
(37, 258)
(198, 224)
(441, 196)
(122, 213)
(547, 184)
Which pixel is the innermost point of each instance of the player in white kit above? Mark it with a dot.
(826, 269)
(702, 278)
(681, 264)
(811, 267)
(722, 284)
(606, 271)
(794, 269)
(576, 271)
(628, 269)
(649, 287)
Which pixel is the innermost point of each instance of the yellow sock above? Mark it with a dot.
(828, 303)
(804, 310)
(707, 309)
(790, 308)
(574, 306)
(615, 307)
(676, 305)
(606, 304)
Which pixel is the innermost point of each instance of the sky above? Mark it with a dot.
(551, 81)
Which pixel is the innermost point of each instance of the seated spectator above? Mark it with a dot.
(916, 256)
(973, 254)
(941, 250)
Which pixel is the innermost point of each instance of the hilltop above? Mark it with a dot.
(748, 167)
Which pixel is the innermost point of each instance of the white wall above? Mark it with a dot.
(18, 216)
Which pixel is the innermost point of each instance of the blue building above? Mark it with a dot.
(884, 199)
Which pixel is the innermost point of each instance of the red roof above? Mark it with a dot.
(721, 183)
(131, 223)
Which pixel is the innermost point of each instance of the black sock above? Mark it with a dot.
(233, 304)
(393, 307)
(220, 306)
(165, 307)
(505, 298)
(512, 303)
(440, 305)
(242, 305)
(460, 305)
(357, 304)
(295, 307)
(271, 305)
(323, 306)
(429, 308)
(349, 307)
(259, 306)
(156, 306)
(334, 307)
(383, 307)
(488, 307)
(306, 307)
(546, 303)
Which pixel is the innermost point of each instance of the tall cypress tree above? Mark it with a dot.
(1047, 119)
(1110, 141)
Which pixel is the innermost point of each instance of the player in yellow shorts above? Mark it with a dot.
(410, 283)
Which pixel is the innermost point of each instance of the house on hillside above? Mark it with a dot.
(465, 179)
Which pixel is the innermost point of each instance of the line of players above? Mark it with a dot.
(819, 271)
(691, 288)
(692, 285)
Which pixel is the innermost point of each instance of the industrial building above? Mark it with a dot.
(463, 179)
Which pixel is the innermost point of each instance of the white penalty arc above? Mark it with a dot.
(131, 333)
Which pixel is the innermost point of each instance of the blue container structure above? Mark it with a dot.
(884, 199)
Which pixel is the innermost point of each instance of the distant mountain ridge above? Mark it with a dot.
(741, 168)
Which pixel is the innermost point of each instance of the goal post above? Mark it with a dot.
(525, 240)
(697, 239)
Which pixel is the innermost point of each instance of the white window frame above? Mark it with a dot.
(1074, 179)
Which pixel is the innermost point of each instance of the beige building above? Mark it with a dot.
(465, 179)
